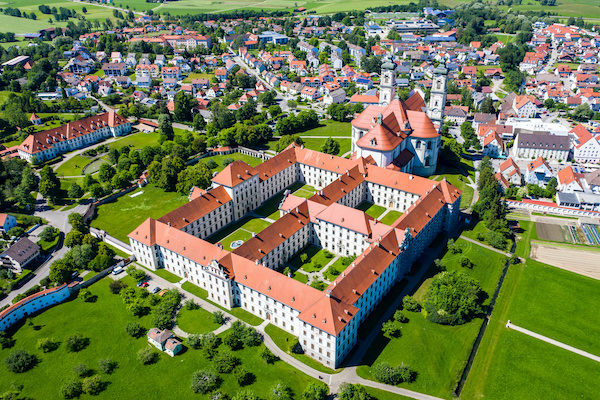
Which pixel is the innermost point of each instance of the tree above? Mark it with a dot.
(218, 317)
(76, 343)
(47, 344)
(198, 175)
(183, 106)
(82, 255)
(268, 356)
(338, 112)
(136, 274)
(330, 146)
(20, 361)
(48, 233)
(76, 222)
(387, 374)
(165, 127)
(390, 329)
(106, 172)
(92, 385)
(315, 391)
(232, 341)
(73, 238)
(453, 298)
(60, 271)
(107, 365)
(242, 375)
(49, 183)
(147, 356)
(16, 231)
(353, 392)
(199, 122)
(205, 381)
(280, 392)
(116, 286)
(71, 389)
(245, 394)
(286, 140)
(82, 370)
(75, 191)
(400, 317)
(134, 329)
(409, 303)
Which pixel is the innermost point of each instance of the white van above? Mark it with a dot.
(117, 270)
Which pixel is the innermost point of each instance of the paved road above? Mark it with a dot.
(553, 342)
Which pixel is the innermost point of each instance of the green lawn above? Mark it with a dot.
(73, 166)
(377, 394)
(524, 236)
(315, 261)
(305, 191)
(46, 246)
(121, 216)
(137, 140)
(270, 208)
(473, 231)
(194, 75)
(315, 144)
(252, 161)
(391, 217)
(437, 352)
(163, 273)
(283, 339)
(371, 209)
(195, 290)
(103, 322)
(339, 265)
(461, 183)
(546, 300)
(330, 128)
(196, 321)
(241, 230)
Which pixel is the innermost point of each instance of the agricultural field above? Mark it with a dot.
(545, 300)
(130, 379)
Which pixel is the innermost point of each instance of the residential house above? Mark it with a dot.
(7, 222)
(19, 255)
(511, 172)
(538, 172)
(337, 96)
(548, 146)
(114, 69)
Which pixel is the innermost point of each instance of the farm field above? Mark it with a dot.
(121, 216)
(510, 364)
(130, 379)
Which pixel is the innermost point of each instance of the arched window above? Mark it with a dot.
(418, 145)
(429, 144)
(427, 161)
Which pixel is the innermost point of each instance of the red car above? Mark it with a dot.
(145, 284)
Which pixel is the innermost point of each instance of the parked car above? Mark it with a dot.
(155, 290)
(117, 270)
(145, 284)
(139, 284)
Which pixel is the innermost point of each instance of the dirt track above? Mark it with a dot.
(579, 261)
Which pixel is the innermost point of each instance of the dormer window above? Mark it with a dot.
(373, 142)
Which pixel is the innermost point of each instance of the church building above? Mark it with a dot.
(402, 135)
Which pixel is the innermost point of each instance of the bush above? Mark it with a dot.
(303, 257)
(232, 341)
(86, 295)
(319, 285)
(351, 391)
(204, 381)
(135, 273)
(268, 356)
(211, 164)
(225, 362)
(245, 394)
(453, 247)
(480, 236)
(147, 356)
(6, 341)
(76, 342)
(134, 329)
(411, 304)
(514, 260)
(47, 344)
(71, 389)
(390, 329)
(218, 317)
(243, 376)
(227, 161)
(400, 317)
(495, 240)
(465, 262)
(387, 374)
(295, 346)
(92, 385)
(453, 298)
(116, 286)
(107, 366)
(190, 305)
(20, 361)
(82, 370)
(280, 392)
(194, 341)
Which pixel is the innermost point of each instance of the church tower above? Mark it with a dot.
(437, 100)
(387, 90)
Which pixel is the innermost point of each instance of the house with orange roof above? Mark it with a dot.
(35, 120)
(538, 172)
(511, 172)
(493, 145)
(325, 322)
(570, 181)
(586, 147)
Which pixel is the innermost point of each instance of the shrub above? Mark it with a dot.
(147, 356)
(76, 342)
(190, 305)
(295, 346)
(251, 337)
(134, 329)
(71, 389)
(390, 329)
(218, 317)
(20, 361)
(268, 356)
(319, 285)
(211, 164)
(225, 362)
(328, 254)
(135, 273)
(82, 370)
(86, 295)
(411, 304)
(353, 391)
(480, 236)
(280, 392)
(333, 271)
(204, 381)
(47, 344)
(6, 341)
(92, 385)
(242, 376)
(245, 394)
(303, 257)
(116, 286)
(495, 240)
(514, 260)
(453, 247)
(227, 161)
(439, 265)
(400, 317)
(194, 341)
(387, 374)
(453, 298)
(465, 262)
(107, 366)
(315, 391)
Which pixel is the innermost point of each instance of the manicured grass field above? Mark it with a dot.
(252, 161)
(163, 273)
(305, 191)
(339, 265)
(524, 236)
(193, 75)
(137, 140)
(315, 144)
(241, 230)
(371, 209)
(391, 217)
(121, 216)
(73, 166)
(26, 25)
(196, 321)
(437, 352)
(283, 340)
(103, 322)
(330, 128)
(270, 208)
(316, 257)
(546, 300)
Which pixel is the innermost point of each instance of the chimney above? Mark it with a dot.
(255, 262)
(169, 224)
(239, 176)
(354, 291)
(410, 178)
(328, 294)
(373, 272)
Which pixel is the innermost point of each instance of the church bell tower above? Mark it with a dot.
(437, 100)
(387, 90)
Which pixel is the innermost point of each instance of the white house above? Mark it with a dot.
(548, 146)
(19, 255)
(538, 172)
(337, 96)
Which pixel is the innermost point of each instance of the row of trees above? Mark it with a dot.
(305, 120)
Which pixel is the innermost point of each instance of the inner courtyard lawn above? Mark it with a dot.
(103, 322)
(371, 209)
(390, 217)
(510, 364)
(196, 321)
(270, 208)
(437, 352)
(316, 259)
(241, 230)
(121, 216)
(305, 191)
